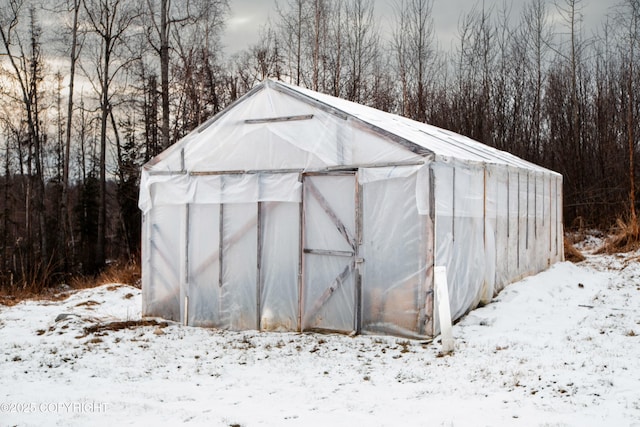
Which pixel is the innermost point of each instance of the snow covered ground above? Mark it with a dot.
(561, 348)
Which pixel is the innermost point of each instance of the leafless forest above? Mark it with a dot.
(92, 89)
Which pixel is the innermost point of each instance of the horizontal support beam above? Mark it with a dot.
(325, 252)
(279, 119)
(242, 172)
(337, 168)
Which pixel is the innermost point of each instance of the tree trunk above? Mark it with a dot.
(164, 70)
(104, 111)
(65, 205)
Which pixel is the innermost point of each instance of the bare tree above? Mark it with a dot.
(630, 19)
(572, 57)
(293, 24)
(164, 19)
(197, 71)
(361, 48)
(109, 21)
(413, 40)
(538, 36)
(67, 228)
(26, 63)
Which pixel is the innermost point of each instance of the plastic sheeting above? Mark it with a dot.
(297, 211)
(161, 278)
(158, 190)
(494, 225)
(396, 253)
(279, 266)
(330, 245)
(325, 139)
(184, 264)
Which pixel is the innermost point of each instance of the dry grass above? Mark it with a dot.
(571, 253)
(625, 238)
(127, 273)
(10, 297)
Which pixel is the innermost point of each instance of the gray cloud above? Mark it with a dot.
(249, 16)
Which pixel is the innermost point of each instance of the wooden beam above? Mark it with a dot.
(259, 268)
(324, 171)
(329, 252)
(220, 246)
(279, 119)
(185, 264)
(358, 256)
(301, 238)
(427, 327)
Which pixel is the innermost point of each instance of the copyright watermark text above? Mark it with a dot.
(84, 407)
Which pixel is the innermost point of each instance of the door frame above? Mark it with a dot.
(357, 260)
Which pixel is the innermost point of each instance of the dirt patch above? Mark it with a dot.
(117, 326)
(89, 303)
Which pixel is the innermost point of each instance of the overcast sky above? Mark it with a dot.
(248, 16)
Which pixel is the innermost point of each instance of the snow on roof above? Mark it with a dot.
(445, 144)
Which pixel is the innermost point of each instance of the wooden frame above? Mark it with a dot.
(310, 190)
(279, 119)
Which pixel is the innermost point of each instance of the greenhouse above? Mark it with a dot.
(293, 210)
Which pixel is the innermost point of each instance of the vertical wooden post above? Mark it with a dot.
(431, 261)
(508, 206)
(535, 208)
(185, 264)
(484, 207)
(551, 221)
(528, 212)
(259, 269)
(508, 242)
(518, 222)
(496, 188)
(221, 245)
(186, 310)
(221, 251)
(425, 285)
(358, 259)
(301, 255)
(453, 207)
(559, 220)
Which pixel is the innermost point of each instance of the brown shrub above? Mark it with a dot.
(126, 273)
(571, 253)
(625, 238)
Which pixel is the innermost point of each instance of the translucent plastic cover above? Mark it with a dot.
(494, 225)
(293, 211)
